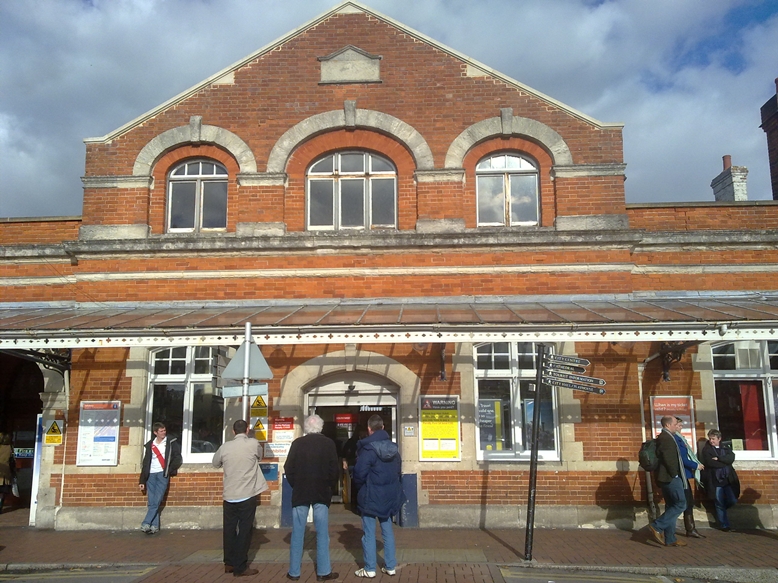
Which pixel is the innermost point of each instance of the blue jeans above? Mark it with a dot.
(321, 514)
(675, 504)
(725, 498)
(369, 544)
(156, 486)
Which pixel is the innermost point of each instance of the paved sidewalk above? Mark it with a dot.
(424, 555)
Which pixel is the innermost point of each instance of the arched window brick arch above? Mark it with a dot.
(336, 120)
(498, 127)
(194, 133)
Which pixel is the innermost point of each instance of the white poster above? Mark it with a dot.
(98, 433)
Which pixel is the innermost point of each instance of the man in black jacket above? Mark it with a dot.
(311, 469)
(671, 478)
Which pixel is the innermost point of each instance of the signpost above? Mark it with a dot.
(554, 370)
(248, 365)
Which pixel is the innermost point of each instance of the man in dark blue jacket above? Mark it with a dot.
(377, 476)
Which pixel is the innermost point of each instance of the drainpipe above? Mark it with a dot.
(66, 380)
(652, 512)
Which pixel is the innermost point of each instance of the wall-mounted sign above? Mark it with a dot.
(439, 428)
(98, 433)
(676, 406)
(53, 433)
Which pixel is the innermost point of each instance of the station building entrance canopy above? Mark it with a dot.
(632, 318)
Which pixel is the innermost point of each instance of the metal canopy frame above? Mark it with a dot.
(692, 317)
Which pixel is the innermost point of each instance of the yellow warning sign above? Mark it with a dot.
(261, 435)
(258, 425)
(258, 402)
(53, 434)
(259, 412)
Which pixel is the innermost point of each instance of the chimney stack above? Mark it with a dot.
(730, 185)
(770, 127)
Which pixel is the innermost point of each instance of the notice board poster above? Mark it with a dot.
(677, 407)
(98, 433)
(439, 429)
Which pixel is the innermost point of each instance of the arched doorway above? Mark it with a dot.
(345, 401)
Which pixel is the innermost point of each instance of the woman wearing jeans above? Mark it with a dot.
(719, 477)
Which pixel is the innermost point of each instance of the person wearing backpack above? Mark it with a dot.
(378, 475)
(671, 478)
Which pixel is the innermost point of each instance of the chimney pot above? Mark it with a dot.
(727, 161)
(776, 84)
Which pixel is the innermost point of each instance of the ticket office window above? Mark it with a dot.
(746, 382)
(505, 394)
(185, 397)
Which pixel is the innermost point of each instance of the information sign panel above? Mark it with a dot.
(98, 433)
(575, 386)
(572, 377)
(564, 359)
(439, 428)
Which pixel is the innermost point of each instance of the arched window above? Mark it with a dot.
(197, 197)
(507, 191)
(352, 190)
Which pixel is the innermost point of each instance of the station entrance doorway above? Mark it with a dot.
(345, 403)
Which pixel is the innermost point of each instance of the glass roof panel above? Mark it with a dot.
(533, 313)
(574, 313)
(345, 315)
(496, 314)
(382, 314)
(451, 314)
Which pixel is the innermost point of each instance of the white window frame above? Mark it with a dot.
(526, 167)
(747, 370)
(338, 177)
(219, 175)
(189, 379)
(521, 451)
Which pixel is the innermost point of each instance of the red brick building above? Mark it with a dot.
(401, 226)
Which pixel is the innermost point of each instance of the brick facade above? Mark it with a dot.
(435, 114)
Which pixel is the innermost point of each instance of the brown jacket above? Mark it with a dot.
(242, 475)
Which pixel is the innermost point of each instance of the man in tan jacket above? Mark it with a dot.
(243, 482)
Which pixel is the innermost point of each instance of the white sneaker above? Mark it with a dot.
(390, 572)
(363, 573)
(153, 530)
(145, 528)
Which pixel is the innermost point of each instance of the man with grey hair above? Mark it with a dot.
(311, 469)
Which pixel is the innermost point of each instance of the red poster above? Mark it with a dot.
(677, 407)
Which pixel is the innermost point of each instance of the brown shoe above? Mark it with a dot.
(228, 568)
(658, 536)
(679, 543)
(246, 573)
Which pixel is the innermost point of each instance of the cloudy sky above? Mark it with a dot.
(687, 77)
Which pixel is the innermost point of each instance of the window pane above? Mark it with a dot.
(494, 414)
(162, 362)
(491, 200)
(193, 169)
(741, 412)
(202, 360)
(526, 354)
(378, 164)
(494, 356)
(484, 164)
(546, 439)
(772, 350)
(168, 407)
(182, 205)
(207, 418)
(383, 207)
(352, 203)
(352, 162)
(498, 162)
(524, 200)
(321, 207)
(214, 205)
(324, 165)
(180, 171)
(208, 168)
(724, 357)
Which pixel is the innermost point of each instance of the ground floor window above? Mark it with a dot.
(745, 374)
(185, 397)
(505, 395)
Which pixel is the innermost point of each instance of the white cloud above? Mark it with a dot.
(73, 69)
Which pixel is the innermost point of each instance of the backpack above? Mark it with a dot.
(647, 457)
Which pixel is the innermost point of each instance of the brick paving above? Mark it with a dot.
(432, 555)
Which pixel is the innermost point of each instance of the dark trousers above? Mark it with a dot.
(238, 518)
(689, 501)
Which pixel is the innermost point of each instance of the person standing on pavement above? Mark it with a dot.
(7, 467)
(378, 475)
(243, 482)
(719, 477)
(671, 478)
(161, 460)
(692, 467)
(311, 469)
